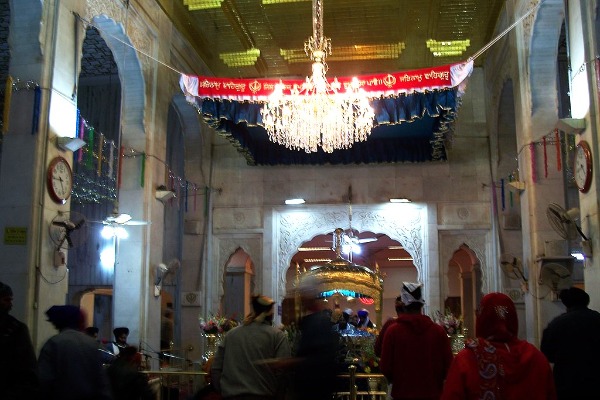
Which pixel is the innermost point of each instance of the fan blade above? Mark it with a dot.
(133, 222)
(59, 223)
(69, 241)
(119, 218)
(367, 240)
(79, 224)
(61, 241)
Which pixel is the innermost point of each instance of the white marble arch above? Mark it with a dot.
(480, 242)
(406, 223)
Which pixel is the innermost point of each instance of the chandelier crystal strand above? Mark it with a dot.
(317, 113)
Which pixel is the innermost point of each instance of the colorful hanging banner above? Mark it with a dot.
(545, 157)
(375, 85)
(558, 156)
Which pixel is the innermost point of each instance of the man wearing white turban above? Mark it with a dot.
(416, 352)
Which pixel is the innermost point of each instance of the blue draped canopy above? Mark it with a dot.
(414, 127)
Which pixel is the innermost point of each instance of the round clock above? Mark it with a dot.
(582, 168)
(60, 180)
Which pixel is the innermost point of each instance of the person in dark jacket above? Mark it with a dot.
(18, 377)
(572, 342)
(70, 365)
(126, 380)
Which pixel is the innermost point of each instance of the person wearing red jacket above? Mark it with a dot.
(497, 364)
(416, 352)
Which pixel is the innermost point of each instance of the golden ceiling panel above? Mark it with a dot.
(349, 53)
(368, 36)
(202, 4)
(447, 48)
(240, 59)
(282, 1)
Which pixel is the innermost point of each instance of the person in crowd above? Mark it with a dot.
(363, 320)
(69, 365)
(120, 342)
(241, 367)
(416, 352)
(572, 342)
(166, 329)
(92, 332)
(126, 380)
(18, 377)
(399, 306)
(497, 364)
(316, 366)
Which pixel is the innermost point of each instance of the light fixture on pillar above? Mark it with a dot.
(69, 143)
(163, 195)
(317, 113)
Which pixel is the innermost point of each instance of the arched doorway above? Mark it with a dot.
(238, 285)
(464, 286)
(374, 250)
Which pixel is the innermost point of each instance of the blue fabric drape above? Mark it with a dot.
(408, 128)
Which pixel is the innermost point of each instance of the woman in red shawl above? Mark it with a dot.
(498, 365)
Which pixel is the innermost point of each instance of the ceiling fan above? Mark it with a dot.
(115, 222)
(351, 234)
(116, 218)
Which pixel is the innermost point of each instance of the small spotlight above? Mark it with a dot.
(578, 255)
(294, 201)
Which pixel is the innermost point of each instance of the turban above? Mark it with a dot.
(497, 320)
(66, 316)
(411, 293)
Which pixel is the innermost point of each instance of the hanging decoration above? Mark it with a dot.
(533, 169)
(545, 158)
(37, 100)
(558, 151)
(8, 87)
(502, 194)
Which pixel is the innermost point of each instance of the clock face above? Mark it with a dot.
(60, 180)
(583, 166)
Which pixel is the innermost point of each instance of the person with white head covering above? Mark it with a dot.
(240, 369)
(416, 352)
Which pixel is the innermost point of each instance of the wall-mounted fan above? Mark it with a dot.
(512, 267)
(67, 229)
(563, 221)
(162, 271)
(555, 276)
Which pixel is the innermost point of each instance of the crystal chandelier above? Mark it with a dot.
(318, 113)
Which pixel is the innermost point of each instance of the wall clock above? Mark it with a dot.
(582, 170)
(59, 180)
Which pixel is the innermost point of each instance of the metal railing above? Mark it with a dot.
(181, 385)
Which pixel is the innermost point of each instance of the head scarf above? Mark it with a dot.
(121, 330)
(66, 316)
(497, 319)
(574, 297)
(5, 290)
(261, 307)
(411, 293)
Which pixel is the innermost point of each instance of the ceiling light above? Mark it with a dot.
(578, 255)
(400, 200)
(240, 59)
(400, 259)
(447, 48)
(317, 114)
(314, 248)
(316, 260)
(294, 201)
(395, 247)
(194, 5)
